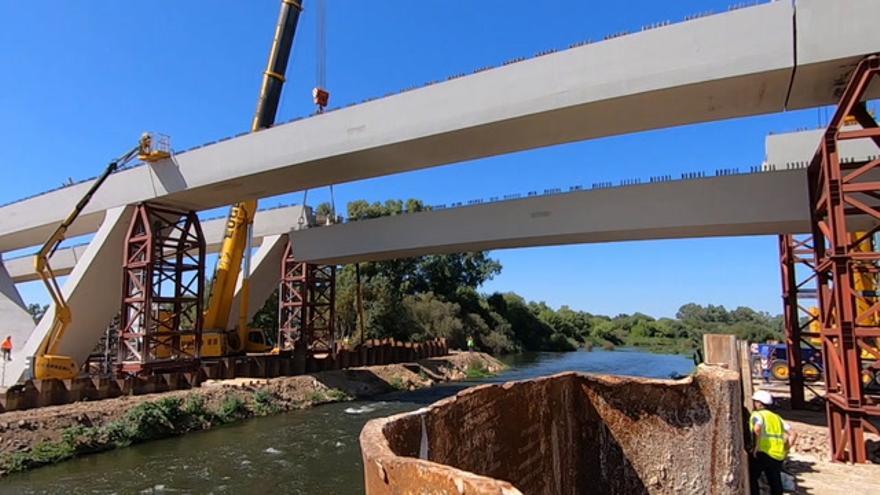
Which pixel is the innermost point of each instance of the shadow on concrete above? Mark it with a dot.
(604, 466)
(796, 469)
(807, 416)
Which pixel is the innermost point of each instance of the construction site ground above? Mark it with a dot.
(22, 430)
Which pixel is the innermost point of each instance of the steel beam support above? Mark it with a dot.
(163, 285)
(845, 209)
(796, 257)
(306, 306)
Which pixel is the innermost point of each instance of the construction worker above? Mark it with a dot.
(766, 353)
(772, 438)
(6, 347)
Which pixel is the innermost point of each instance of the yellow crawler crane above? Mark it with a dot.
(47, 362)
(217, 338)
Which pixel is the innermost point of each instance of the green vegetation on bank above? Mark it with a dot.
(417, 299)
(476, 371)
(166, 417)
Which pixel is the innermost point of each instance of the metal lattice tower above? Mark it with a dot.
(163, 283)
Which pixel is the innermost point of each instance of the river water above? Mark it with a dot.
(314, 451)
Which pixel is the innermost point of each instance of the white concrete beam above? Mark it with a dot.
(270, 222)
(94, 294)
(825, 45)
(792, 150)
(751, 204)
(21, 269)
(728, 65)
(736, 205)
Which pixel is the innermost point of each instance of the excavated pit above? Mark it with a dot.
(570, 433)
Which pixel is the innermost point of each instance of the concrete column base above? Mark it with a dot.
(16, 321)
(93, 291)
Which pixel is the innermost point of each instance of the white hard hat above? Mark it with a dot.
(763, 397)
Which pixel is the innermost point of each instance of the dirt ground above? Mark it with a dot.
(21, 430)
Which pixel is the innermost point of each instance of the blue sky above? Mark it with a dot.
(81, 80)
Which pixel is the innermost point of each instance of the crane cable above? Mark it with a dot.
(321, 76)
(321, 45)
(320, 95)
(302, 221)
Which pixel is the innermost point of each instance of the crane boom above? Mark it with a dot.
(237, 235)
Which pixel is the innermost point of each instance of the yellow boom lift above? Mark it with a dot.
(47, 362)
(217, 338)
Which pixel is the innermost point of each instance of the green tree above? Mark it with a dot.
(37, 311)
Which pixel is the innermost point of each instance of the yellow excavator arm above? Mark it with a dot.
(47, 362)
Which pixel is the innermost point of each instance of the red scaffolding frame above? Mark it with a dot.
(845, 207)
(163, 281)
(797, 257)
(306, 306)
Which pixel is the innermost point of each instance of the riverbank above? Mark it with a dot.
(36, 437)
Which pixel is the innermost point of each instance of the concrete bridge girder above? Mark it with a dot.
(728, 65)
(749, 204)
(765, 203)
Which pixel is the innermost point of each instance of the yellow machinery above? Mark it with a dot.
(217, 338)
(865, 286)
(47, 362)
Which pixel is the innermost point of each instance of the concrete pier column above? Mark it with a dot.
(265, 275)
(93, 291)
(15, 321)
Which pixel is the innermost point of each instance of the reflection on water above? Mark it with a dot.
(311, 451)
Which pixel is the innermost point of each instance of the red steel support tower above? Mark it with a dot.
(845, 207)
(306, 306)
(796, 258)
(163, 282)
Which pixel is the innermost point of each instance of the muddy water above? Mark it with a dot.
(311, 451)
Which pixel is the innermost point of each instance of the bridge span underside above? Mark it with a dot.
(749, 61)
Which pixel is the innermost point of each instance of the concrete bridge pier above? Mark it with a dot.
(15, 321)
(93, 290)
(265, 275)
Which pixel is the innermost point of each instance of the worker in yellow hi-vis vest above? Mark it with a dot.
(772, 439)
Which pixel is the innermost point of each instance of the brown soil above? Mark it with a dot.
(21, 430)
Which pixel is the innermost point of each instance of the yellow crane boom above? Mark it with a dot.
(235, 250)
